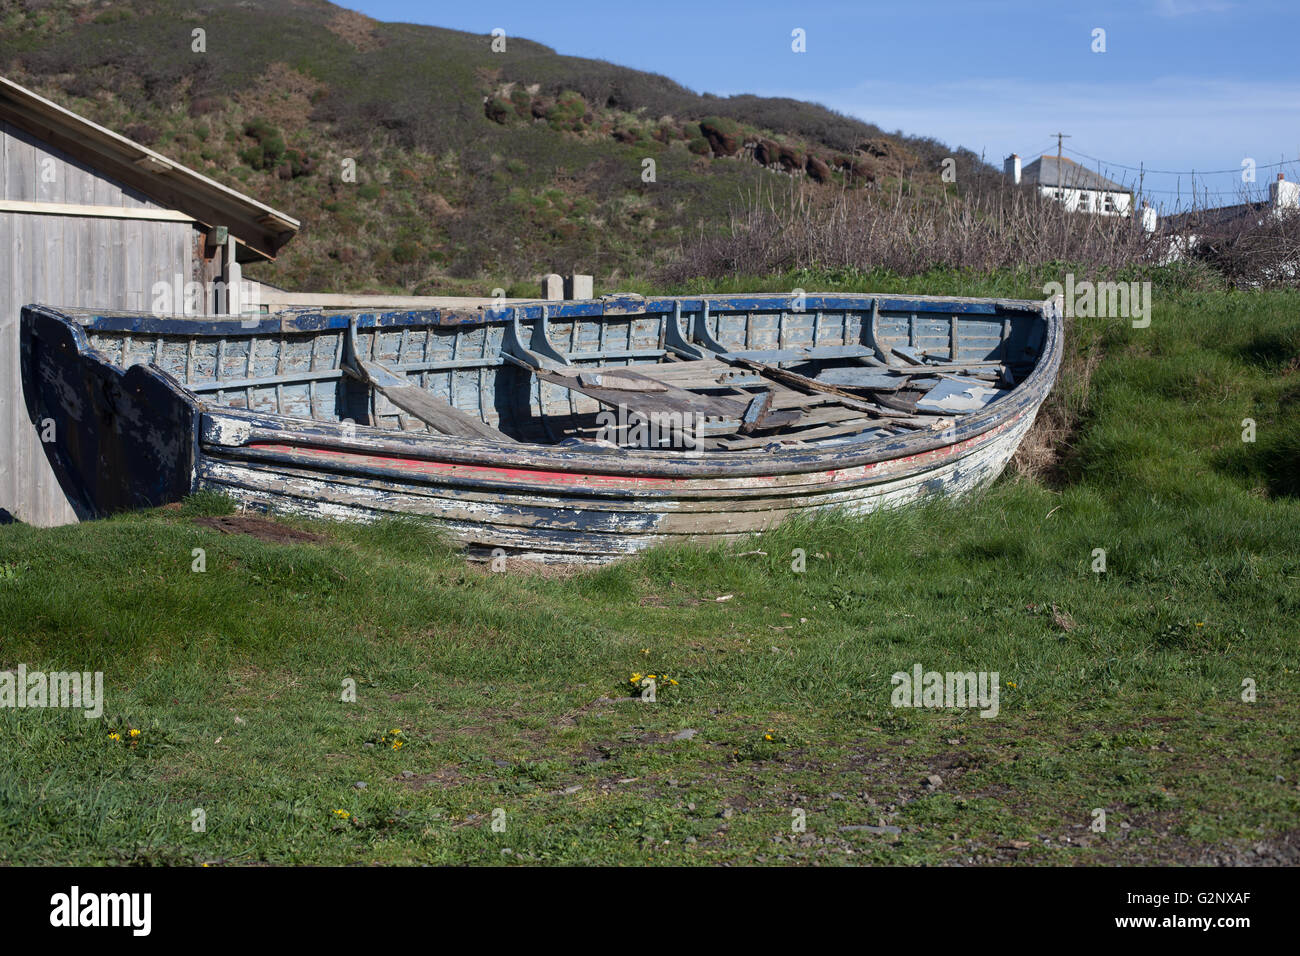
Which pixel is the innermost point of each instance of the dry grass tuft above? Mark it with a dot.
(1044, 448)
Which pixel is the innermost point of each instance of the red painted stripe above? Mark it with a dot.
(423, 466)
(343, 459)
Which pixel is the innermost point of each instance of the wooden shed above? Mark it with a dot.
(90, 218)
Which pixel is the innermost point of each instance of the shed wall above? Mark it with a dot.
(70, 260)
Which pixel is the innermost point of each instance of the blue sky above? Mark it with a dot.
(1182, 85)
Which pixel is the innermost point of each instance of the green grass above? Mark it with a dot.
(509, 688)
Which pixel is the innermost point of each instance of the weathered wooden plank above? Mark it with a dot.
(433, 411)
(954, 394)
(882, 380)
(656, 400)
(575, 530)
(757, 412)
(50, 207)
(794, 380)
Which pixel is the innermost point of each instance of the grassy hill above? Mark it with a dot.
(472, 168)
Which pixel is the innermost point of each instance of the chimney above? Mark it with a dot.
(1283, 196)
(1011, 168)
(1147, 217)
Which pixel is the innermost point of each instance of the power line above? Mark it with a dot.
(1188, 193)
(1176, 172)
(1042, 151)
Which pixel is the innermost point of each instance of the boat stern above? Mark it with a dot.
(116, 438)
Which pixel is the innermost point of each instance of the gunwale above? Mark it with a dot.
(218, 423)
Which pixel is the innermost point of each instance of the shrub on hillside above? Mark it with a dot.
(268, 148)
(202, 105)
(818, 171)
(522, 103)
(790, 158)
(724, 135)
(142, 133)
(270, 153)
(497, 109)
(568, 113)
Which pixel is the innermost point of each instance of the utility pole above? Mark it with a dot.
(1059, 137)
(1060, 194)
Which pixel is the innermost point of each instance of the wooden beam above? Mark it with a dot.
(433, 411)
(154, 164)
(326, 300)
(93, 212)
(659, 399)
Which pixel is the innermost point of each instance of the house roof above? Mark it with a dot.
(259, 229)
(1216, 216)
(1044, 171)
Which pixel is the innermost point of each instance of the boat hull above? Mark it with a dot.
(562, 516)
(135, 436)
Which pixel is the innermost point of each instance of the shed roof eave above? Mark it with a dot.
(258, 227)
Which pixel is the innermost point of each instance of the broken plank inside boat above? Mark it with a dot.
(570, 431)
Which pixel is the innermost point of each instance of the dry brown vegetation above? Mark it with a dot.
(1256, 248)
(909, 233)
(1048, 443)
(910, 230)
(993, 230)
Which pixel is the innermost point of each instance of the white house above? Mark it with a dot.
(1079, 188)
(1187, 230)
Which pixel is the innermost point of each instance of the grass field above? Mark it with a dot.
(1121, 690)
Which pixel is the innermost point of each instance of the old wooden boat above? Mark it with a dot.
(578, 430)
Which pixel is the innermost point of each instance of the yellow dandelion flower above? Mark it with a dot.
(114, 736)
(341, 813)
(397, 745)
(135, 733)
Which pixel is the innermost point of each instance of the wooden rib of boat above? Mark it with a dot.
(580, 430)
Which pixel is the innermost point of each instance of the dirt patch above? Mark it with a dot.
(1280, 850)
(550, 571)
(355, 28)
(281, 96)
(443, 777)
(441, 207)
(263, 529)
(573, 716)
